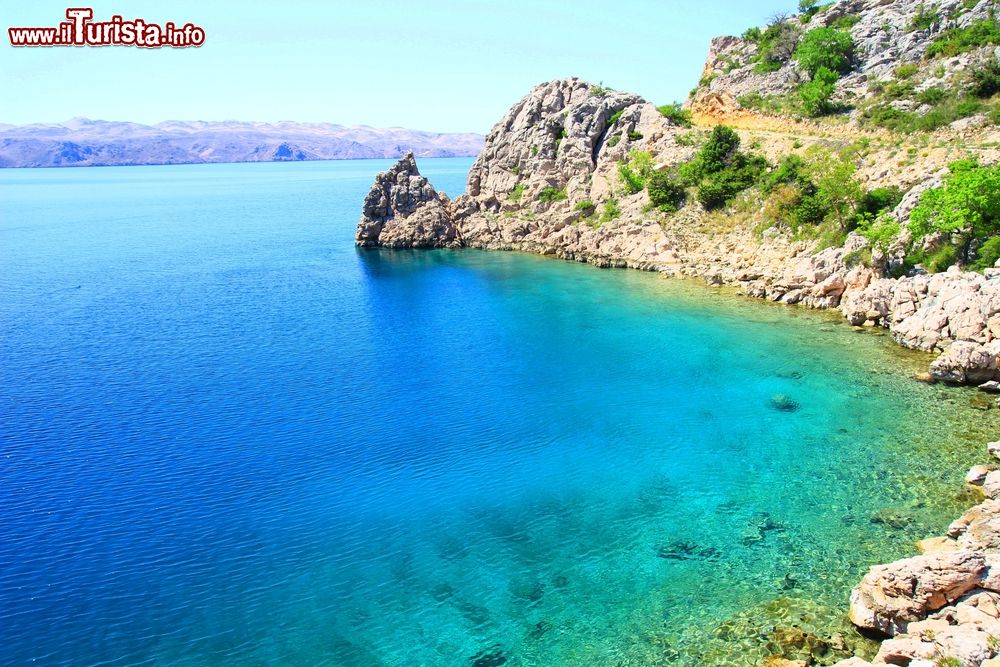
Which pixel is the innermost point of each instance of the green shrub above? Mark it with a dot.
(906, 70)
(768, 66)
(815, 95)
(587, 206)
(825, 47)
(718, 152)
(883, 115)
(551, 194)
(720, 171)
(878, 201)
(994, 115)
(881, 232)
(615, 116)
(806, 5)
(676, 114)
(987, 254)
(959, 40)
(931, 96)
(600, 91)
(966, 209)
(986, 79)
(837, 190)
(611, 210)
(613, 141)
(788, 171)
(845, 22)
(518, 192)
(634, 136)
(776, 45)
(632, 182)
(752, 35)
(924, 19)
(897, 90)
(666, 192)
(636, 171)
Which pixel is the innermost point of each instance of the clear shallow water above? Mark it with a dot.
(228, 437)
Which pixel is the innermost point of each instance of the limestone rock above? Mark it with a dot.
(979, 527)
(937, 544)
(968, 362)
(884, 37)
(403, 210)
(994, 449)
(977, 474)
(891, 596)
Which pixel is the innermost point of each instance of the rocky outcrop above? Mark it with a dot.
(942, 607)
(891, 596)
(403, 210)
(886, 33)
(547, 182)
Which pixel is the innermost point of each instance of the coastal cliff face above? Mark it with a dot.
(886, 34)
(548, 182)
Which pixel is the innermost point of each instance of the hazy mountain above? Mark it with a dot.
(84, 142)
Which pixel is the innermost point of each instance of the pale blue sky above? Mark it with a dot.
(441, 65)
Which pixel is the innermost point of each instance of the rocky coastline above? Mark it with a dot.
(548, 182)
(557, 141)
(942, 607)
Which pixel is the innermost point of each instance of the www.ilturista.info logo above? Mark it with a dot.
(79, 30)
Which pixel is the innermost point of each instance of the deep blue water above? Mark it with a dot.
(229, 437)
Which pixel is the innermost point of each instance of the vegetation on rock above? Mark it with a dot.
(551, 194)
(965, 211)
(827, 48)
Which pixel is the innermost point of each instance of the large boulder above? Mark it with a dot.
(967, 362)
(892, 596)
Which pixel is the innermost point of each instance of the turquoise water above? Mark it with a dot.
(229, 437)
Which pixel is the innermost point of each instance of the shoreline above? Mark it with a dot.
(925, 547)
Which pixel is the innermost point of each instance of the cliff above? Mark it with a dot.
(759, 66)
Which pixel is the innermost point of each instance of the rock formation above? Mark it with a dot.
(403, 210)
(942, 607)
(547, 182)
(886, 34)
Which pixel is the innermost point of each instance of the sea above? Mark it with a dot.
(230, 437)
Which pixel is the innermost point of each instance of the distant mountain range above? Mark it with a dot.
(82, 142)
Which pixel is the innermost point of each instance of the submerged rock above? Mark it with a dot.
(977, 474)
(682, 550)
(891, 517)
(491, 657)
(784, 403)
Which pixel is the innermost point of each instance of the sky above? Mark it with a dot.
(436, 65)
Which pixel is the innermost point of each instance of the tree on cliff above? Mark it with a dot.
(966, 209)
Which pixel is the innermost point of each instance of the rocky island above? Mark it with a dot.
(843, 158)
